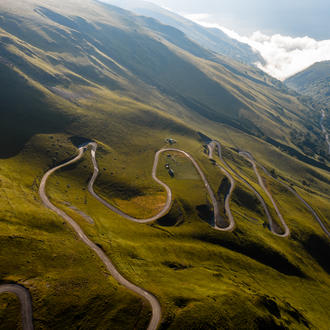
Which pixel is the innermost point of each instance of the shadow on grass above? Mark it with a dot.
(24, 113)
(319, 249)
(258, 252)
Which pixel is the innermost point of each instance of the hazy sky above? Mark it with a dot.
(296, 18)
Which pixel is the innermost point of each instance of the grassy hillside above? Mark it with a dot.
(210, 38)
(314, 82)
(76, 57)
(91, 71)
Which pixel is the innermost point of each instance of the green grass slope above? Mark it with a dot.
(97, 72)
(75, 56)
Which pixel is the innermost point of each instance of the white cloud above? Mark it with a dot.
(198, 17)
(284, 56)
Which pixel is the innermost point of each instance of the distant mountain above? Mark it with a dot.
(313, 81)
(210, 38)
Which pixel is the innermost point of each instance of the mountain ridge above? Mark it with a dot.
(210, 38)
(219, 83)
(313, 81)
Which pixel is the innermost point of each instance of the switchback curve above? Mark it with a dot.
(155, 305)
(250, 159)
(24, 297)
(219, 223)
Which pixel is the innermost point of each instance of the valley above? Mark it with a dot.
(147, 181)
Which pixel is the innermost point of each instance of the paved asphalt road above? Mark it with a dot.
(211, 146)
(250, 159)
(262, 201)
(24, 296)
(317, 218)
(155, 305)
(218, 221)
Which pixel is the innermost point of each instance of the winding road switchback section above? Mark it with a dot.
(155, 305)
(250, 159)
(219, 223)
(315, 215)
(211, 146)
(24, 297)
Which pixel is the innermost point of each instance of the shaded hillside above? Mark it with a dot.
(313, 81)
(23, 112)
(210, 38)
(78, 51)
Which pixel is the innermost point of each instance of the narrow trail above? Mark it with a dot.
(81, 213)
(24, 296)
(250, 159)
(155, 305)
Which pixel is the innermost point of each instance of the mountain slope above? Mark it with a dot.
(157, 65)
(87, 71)
(210, 38)
(313, 81)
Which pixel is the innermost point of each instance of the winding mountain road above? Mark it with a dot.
(155, 305)
(261, 200)
(250, 159)
(317, 218)
(211, 146)
(219, 223)
(24, 296)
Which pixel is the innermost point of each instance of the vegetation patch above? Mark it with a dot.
(10, 311)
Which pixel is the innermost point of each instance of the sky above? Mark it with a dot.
(296, 18)
(290, 34)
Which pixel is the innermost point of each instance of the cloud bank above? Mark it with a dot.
(284, 56)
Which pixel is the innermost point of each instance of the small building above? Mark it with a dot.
(170, 141)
